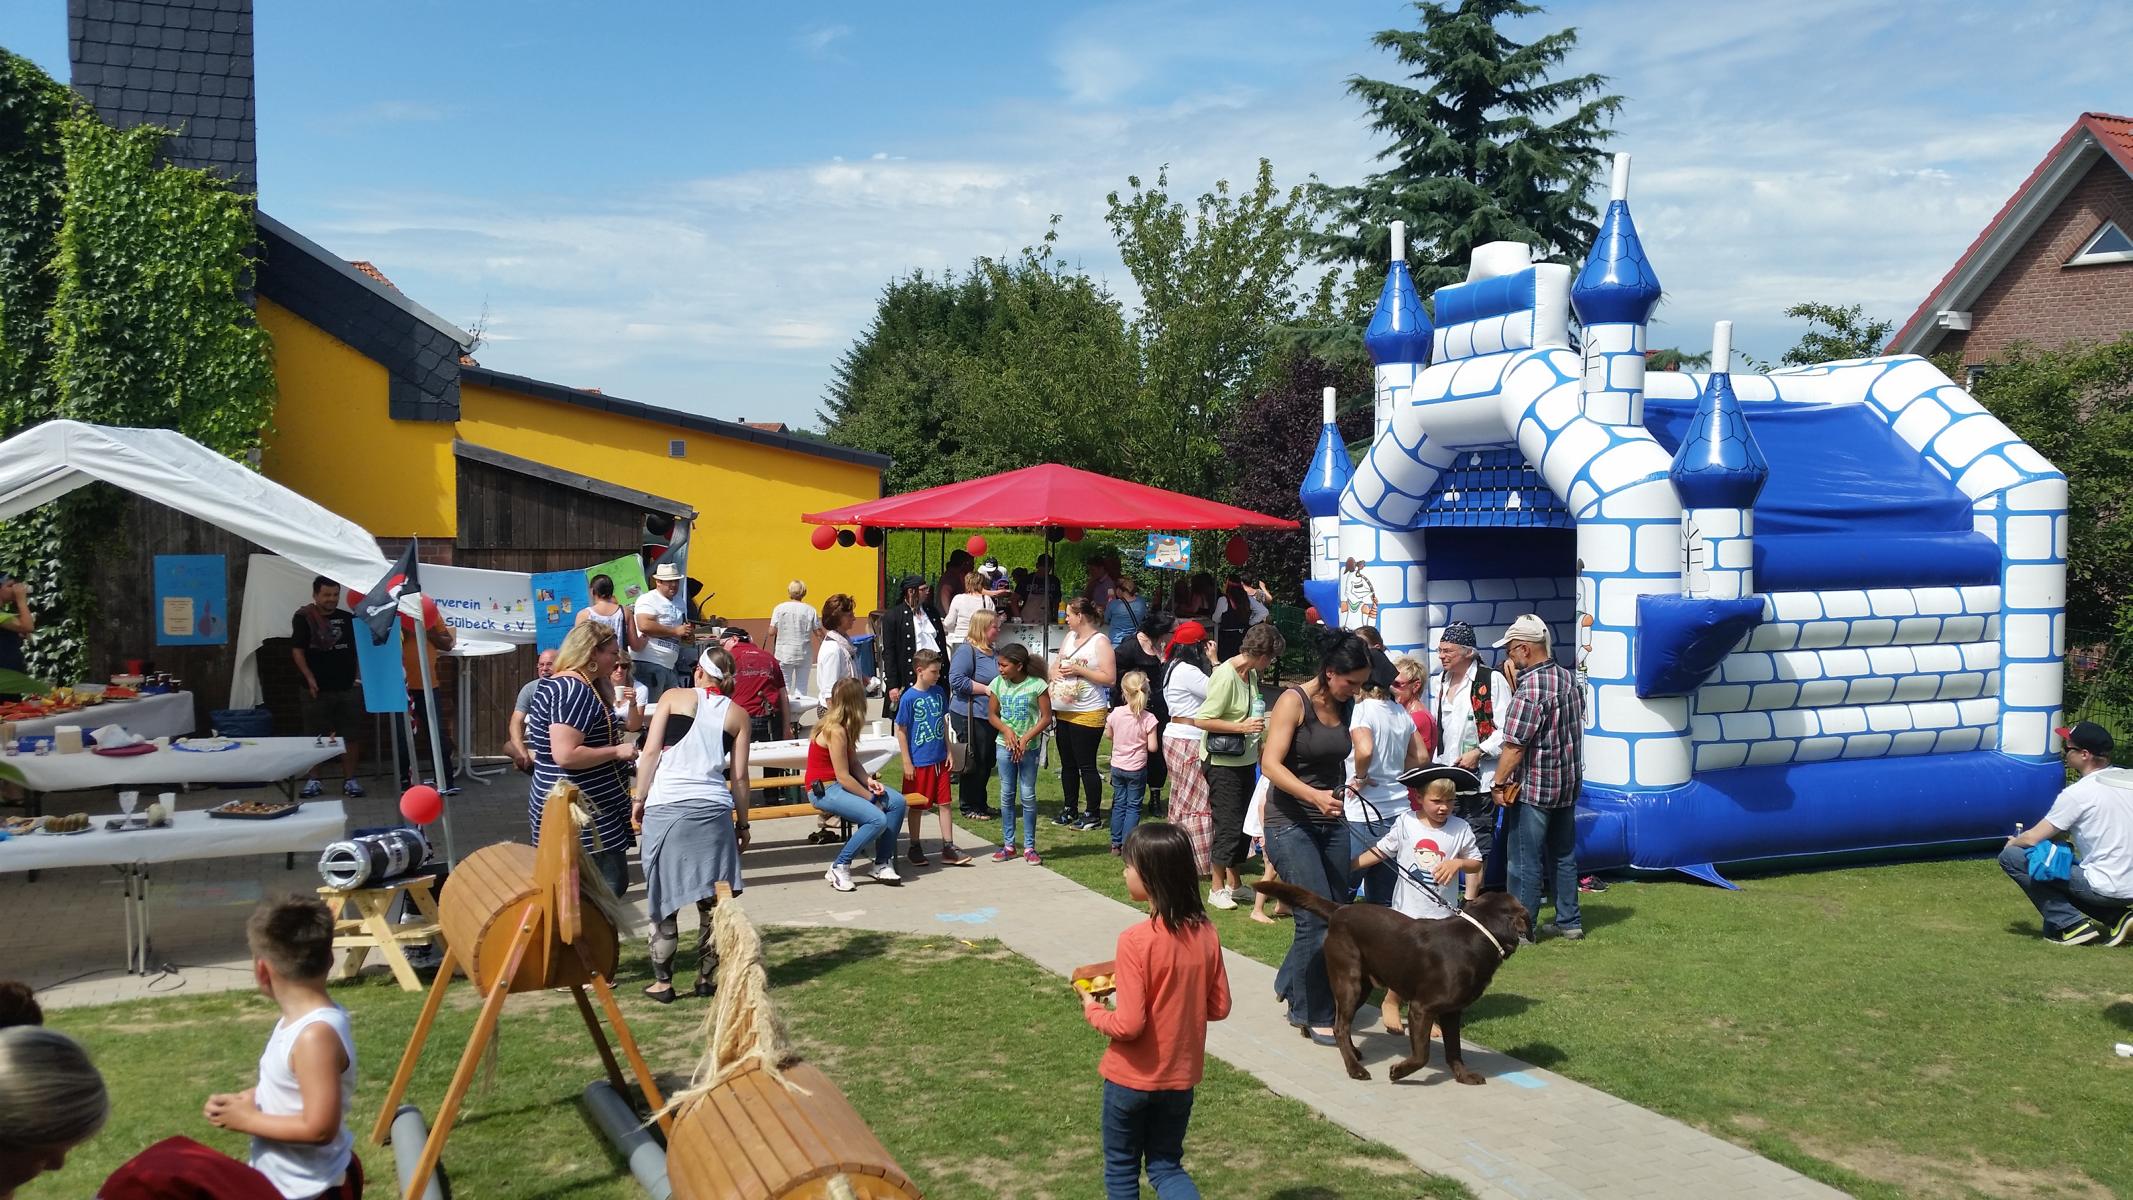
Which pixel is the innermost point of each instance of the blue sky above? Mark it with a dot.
(696, 205)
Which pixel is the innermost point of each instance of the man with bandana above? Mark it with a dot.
(1469, 708)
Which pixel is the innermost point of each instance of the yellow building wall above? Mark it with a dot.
(333, 440)
(748, 542)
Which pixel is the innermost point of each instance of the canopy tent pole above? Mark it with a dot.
(429, 702)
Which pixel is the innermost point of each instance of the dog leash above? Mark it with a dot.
(1424, 882)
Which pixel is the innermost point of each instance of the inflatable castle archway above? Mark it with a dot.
(1813, 612)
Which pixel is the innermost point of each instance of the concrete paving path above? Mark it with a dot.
(1528, 1134)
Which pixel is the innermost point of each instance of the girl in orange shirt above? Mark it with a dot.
(1170, 984)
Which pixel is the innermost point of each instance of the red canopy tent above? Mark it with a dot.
(1048, 494)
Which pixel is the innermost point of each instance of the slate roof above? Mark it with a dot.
(735, 430)
(420, 351)
(180, 64)
(2060, 170)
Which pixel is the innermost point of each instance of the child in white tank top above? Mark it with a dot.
(304, 1150)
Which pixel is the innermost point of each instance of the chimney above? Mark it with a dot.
(181, 64)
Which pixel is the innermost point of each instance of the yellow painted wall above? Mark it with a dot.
(334, 441)
(749, 541)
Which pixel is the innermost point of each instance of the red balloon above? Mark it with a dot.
(976, 545)
(1075, 534)
(421, 804)
(823, 537)
(1236, 551)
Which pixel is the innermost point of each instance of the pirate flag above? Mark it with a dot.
(381, 604)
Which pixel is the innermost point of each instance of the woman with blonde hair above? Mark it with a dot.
(51, 1100)
(840, 786)
(795, 628)
(692, 803)
(570, 727)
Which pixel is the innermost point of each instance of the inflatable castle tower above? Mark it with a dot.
(1812, 612)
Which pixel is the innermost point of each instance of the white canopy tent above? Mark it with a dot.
(46, 462)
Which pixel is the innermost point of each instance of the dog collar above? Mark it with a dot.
(1469, 919)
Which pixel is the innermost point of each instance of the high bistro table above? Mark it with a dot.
(190, 835)
(466, 651)
(169, 714)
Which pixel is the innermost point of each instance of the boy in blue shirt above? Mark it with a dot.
(922, 736)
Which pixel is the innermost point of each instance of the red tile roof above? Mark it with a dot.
(373, 272)
(2112, 133)
(769, 426)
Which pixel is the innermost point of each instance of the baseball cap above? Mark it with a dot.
(1528, 628)
(179, 1168)
(2086, 735)
(1188, 633)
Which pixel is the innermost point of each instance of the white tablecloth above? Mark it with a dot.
(168, 715)
(791, 755)
(257, 760)
(191, 835)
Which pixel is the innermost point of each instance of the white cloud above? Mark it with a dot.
(1821, 151)
(816, 40)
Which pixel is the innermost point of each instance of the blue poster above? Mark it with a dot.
(384, 675)
(1170, 551)
(557, 597)
(192, 600)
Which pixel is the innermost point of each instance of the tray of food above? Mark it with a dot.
(253, 810)
(205, 745)
(69, 824)
(1097, 979)
(17, 826)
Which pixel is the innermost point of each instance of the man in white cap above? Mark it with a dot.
(664, 624)
(1538, 776)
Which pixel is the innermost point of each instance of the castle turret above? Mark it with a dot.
(1399, 333)
(1718, 472)
(1323, 484)
(1614, 296)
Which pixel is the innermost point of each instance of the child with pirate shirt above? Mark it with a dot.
(1431, 847)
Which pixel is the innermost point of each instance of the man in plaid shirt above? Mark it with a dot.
(1538, 776)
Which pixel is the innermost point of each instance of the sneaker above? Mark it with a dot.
(987, 814)
(1592, 883)
(885, 873)
(1003, 854)
(917, 855)
(2077, 933)
(351, 789)
(1092, 821)
(840, 877)
(2122, 931)
(1569, 933)
(312, 788)
(1220, 898)
(1063, 817)
(952, 857)
(1031, 857)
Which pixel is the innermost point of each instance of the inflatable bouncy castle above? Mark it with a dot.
(1819, 611)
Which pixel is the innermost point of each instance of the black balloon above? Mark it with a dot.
(846, 537)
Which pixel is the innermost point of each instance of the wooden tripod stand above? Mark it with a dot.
(514, 921)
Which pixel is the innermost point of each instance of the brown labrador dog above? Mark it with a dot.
(1441, 967)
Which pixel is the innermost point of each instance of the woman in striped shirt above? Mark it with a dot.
(571, 729)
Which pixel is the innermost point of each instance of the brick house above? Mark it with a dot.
(2055, 265)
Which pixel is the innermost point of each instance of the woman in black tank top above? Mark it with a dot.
(1305, 762)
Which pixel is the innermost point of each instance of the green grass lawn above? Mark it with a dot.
(973, 1066)
(1893, 1030)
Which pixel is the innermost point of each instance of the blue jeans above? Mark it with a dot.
(1315, 858)
(2061, 903)
(1018, 777)
(869, 822)
(614, 867)
(1376, 882)
(1146, 1126)
(1541, 844)
(1128, 789)
(656, 679)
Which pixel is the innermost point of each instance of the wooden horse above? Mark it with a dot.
(515, 919)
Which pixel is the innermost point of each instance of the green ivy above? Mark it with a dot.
(124, 300)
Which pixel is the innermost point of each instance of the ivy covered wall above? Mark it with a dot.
(124, 289)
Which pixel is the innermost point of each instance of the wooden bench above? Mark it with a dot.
(753, 1137)
(372, 926)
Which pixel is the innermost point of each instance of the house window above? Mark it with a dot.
(1973, 372)
(2107, 245)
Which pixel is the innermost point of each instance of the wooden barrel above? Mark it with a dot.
(753, 1138)
(483, 900)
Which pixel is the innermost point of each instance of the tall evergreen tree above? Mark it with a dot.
(1485, 147)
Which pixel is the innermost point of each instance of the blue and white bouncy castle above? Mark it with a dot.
(1814, 612)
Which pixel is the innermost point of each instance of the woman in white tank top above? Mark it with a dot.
(692, 802)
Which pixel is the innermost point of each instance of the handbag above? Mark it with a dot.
(958, 749)
(1225, 743)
